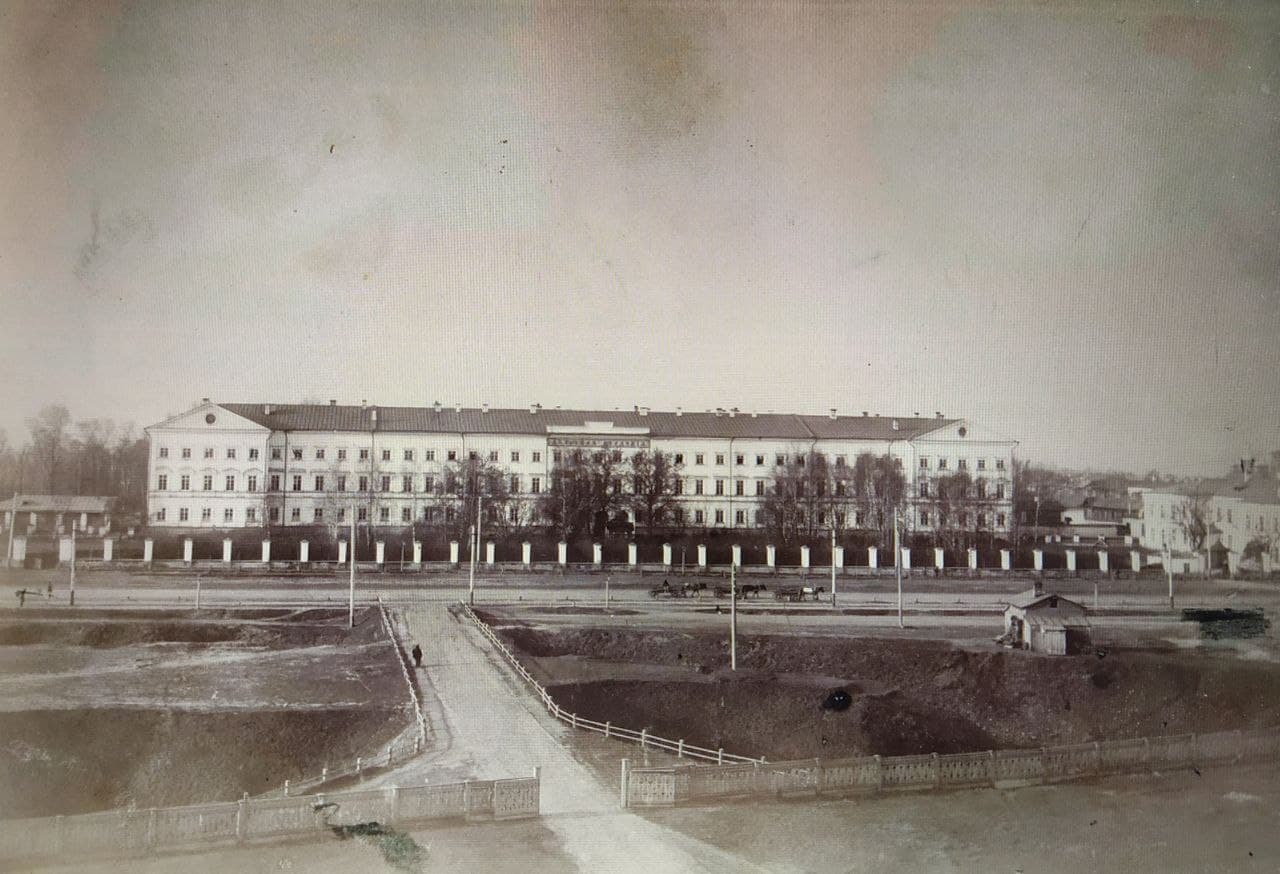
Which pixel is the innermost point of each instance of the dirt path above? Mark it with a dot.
(493, 727)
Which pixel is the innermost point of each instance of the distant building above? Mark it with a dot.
(55, 514)
(1047, 623)
(247, 465)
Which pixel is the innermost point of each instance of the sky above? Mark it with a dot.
(1059, 220)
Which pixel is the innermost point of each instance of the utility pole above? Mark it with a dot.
(13, 523)
(475, 548)
(833, 564)
(73, 567)
(733, 616)
(1168, 567)
(351, 595)
(606, 591)
(897, 563)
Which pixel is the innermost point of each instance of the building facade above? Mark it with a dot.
(251, 465)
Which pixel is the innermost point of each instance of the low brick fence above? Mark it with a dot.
(117, 833)
(646, 787)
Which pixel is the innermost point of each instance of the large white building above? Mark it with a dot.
(243, 465)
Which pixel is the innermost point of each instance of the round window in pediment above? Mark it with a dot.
(964, 432)
(210, 419)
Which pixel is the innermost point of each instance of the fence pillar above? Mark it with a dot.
(342, 552)
(1037, 558)
(417, 552)
(624, 790)
(1071, 561)
(939, 557)
(242, 810)
(771, 556)
(266, 551)
(453, 552)
(720, 756)
(188, 548)
(1006, 560)
(490, 550)
(1135, 561)
(226, 550)
(632, 555)
(680, 748)
(597, 554)
(304, 551)
(873, 556)
(666, 555)
(1104, 561)
(380, 552)
(148, 548)
(736, 555)
(108, 548)
(562, 553)
(526, 554)
(973, 559)
(804, 557)
(906, 558)
(702, 556)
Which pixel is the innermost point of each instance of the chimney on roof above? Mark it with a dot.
(937, 414)
(1037, 589)
(373, 416)
(895, 424)
(733, 412)
(457, 408)
(204, 400)
(436, 406)
(916, 414)
(644, 411)
(533, 409)
(864, 414)
(333, 402)
(679, 411)
(754, 414)
(484, 408)
(266, 409)
(364, 402)
(833, 412)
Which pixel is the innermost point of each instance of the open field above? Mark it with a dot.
(101, 709)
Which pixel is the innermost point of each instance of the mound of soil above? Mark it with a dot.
(76, 761)
(908, 695)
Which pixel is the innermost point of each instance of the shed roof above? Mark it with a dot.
(1031, 600)
(61, 503)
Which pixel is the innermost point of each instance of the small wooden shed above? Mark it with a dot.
(1048, 623)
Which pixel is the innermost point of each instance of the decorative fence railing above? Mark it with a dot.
(134, 832)
(1001, 768)
(405, 669)
(608, 729)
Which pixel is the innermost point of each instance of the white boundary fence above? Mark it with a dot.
(646, 787)
(135, 832)
(608, 729)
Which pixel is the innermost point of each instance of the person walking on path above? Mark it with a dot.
(417, 656)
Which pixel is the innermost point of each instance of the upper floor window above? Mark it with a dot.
(557, 456)
(164, 451)
(738, 487)
(737, 459)
(364, 484)
(697, 487)
(319, 455)
(342, 483)
(319, 484)
(275, 482)
(342, 455)
(719, 458)
(719, 487)
(515, 484)
(186, 453)
(253, 455)
(231, 453)
(759, 460)
(962, 464)
(493, 455)
(406, 484)
(515, 456)
(924, 464)
(208, 453)
(781, 460)
(982, 464)
(182, 514)
(206, 514)
(679, 458)
(473, 455)
(386, 483)
(297, 483)
(537, 457)
(297, 455)
(208, 483)
(386, 455)
(452, 455)
(231, 484)
(617, 455)
(163, 484)
(253, 483)
(408, 455)
(999, 464)
(535, 485)
(364, 454)
(800, 460)
(839, 461)
(697, 459)
(275, 453)
(759, 487)
(942, 464)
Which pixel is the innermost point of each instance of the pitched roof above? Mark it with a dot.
(61, 504)
(778, 426)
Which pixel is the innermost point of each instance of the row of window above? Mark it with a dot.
(961, 464)
(979, 488)
(209, 452)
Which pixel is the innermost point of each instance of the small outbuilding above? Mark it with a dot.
(1046, 622)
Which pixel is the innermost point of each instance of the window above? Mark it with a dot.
(679, 515)
(207, 483)
(738, 487)
(297, 482)
(408, 455)
(924, 517)
(386, 455)
(406, 484)
(515, 484)
(318, 514)
(697, 459)
(513, 515)
(739, 517)
(962, 464)
(208, 452)
(840, 489)
(679, 486)
(473, 455)
(342, 455)
(297, 455)
(342, 483)
(362, 514)
(406, 514)
(924, 464)
(982, 464)
(429, 484)
(231, 484)
(163, 483)
(800, 460)
(719, 487)
(999, 464)
(182, 515)
(493, 455)
(275, 482)
(429, 455)
(557, 456)
(964, 519)
(1000, 491)
(275, 453)
(251, 514)
(231, 453)
(679, 458)
(452, 455)
(982, 520)
(253, 455)
(206, 514)
(759, 460)
(697, 517)
(840, 461)
(737, 459)
(384, 514)
(186, 453)
(228, 514)
(386, 484)
(617, 455)
(364, 454)
(515, 456)
(822, 518)
(719, 517)
(942, 464)
(800, 489)
(759, 518)
(697, 487)
(275, 514)
(164, 453)
(1000, 520)
(537, 457)
(535, 485)
(449, 514)
(719, 458)
(780, 460)
(319, 455)
(319, 484)
(160, 515)
(982, 488)
(759, 487)
(295, 515)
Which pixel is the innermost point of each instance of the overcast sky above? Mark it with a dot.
(1058, 220)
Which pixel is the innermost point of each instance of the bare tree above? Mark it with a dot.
(48, 439)
(880, 492)
(463, 486)
(1193, 522)
(585, 490)
(654, 480)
